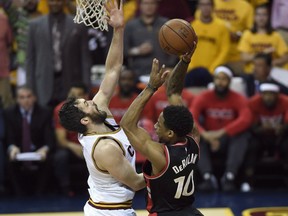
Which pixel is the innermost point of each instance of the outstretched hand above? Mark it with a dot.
(157, 76)
(115, 13)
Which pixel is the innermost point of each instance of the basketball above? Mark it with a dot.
(176, 37)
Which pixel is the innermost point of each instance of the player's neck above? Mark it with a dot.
(98, 129)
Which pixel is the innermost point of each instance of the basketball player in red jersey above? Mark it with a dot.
(171, 162)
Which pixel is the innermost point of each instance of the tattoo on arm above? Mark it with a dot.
(176, 81)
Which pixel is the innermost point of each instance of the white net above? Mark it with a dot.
(91, 13)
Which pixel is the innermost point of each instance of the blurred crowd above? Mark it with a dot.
(236, 86)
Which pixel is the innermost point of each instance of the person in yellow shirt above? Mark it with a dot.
(238, 16)
(213, 39)
(262, 39)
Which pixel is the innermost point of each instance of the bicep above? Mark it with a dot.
(112, 159)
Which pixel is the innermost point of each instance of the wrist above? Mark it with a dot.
(185, 62)
(149, 86)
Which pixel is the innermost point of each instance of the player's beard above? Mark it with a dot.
(98, 117)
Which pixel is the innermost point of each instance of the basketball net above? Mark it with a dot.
(91, 13)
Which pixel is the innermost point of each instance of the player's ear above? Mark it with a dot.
(85, 120)
(170, 133)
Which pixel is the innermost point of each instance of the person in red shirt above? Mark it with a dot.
(269, 129)
(69, 150)
(159, 101)
(120, 102)
(223, 117)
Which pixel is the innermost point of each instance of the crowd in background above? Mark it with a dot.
(236, 85)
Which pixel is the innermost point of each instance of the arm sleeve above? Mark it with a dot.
(196, 109)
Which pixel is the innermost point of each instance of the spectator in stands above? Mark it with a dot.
(238, 16)
(127, 92)
(69, 151)
(212, 49)
(262, 39)
(222, 116)
(141, 39)
(279, 17)
(19, 14)
(2, 161)
(57, 55)
(269, 130)
(160, 100)
(5, 46)
(262, 69)
(28, 129)
(120, 102)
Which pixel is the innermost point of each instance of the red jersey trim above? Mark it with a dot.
(167, 156)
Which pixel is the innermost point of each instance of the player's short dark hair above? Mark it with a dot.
(266, 57)
(178, 119)
(70, 116)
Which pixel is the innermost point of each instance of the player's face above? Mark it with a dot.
(91, 110)
(221, 82)
(269, 98)
(261, 17)
(160, 129)
(25, 99)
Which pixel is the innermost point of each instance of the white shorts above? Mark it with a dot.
(91, 211)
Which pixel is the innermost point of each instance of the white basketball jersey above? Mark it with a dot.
(102, 186)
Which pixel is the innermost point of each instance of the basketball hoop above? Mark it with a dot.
(91, 13)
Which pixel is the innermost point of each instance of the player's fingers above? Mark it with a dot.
(155, 65)
(121, 4)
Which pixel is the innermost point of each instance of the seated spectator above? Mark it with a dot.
(238, 16)
(126, 93)
(2, 167)
(262, 69)
(69, 151)
(28, 129)
(262, 39)
(212, 49)
(141, 39)
(269, 130)
(279, 17)
(159, 101)
(222, 117)
(120, 102)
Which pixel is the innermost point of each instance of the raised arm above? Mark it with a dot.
(137, 136)
(114, 60)
(176, 80)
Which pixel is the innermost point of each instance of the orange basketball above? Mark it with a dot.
(176, 37)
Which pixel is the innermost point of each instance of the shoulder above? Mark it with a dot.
(107, 146)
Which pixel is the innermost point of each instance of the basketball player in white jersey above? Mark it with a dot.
(108, 154)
